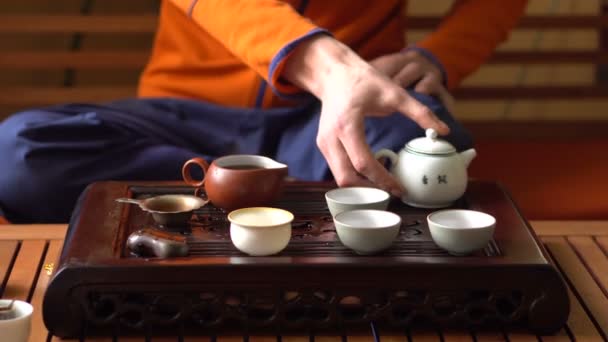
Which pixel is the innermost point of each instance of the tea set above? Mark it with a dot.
(433, 173)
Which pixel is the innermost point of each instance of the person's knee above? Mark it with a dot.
(13, 146)
(25, 173)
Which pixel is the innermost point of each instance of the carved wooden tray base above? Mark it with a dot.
(315, 284)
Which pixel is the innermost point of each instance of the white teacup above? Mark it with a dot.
(353, 198)
(17, 325)
(260, 231)
(367, 231)
(461, 231)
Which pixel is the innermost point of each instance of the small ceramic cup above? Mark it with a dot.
(461, 231)
(15, 325)
(260, 231)
(352, 198)
(367, 231)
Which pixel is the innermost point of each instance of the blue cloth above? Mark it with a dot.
(50, 155)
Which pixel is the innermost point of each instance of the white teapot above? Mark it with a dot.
(432, 172)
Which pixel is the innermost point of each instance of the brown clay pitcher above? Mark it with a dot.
(238, 181)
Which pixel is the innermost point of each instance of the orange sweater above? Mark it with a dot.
(228, 51)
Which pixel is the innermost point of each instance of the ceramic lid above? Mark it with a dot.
(430, 144)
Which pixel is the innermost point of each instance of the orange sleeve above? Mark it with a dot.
(262, 33)
(469, 34)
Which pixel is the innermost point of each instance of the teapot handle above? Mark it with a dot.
(386, 153)
(202, 163)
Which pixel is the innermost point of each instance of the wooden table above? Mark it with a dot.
(579, 248)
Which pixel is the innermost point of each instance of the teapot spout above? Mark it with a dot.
(468, 155)
(269, 163)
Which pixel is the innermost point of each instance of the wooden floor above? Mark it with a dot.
(580, 249)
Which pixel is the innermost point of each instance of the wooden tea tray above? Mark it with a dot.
(315, 284)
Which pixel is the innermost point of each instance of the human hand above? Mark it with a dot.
(409, 67)
(349, 89)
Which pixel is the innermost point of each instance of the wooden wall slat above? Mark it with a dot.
(531, 92)
(147, 23)
(33, 96)
(39, 96)
(539, 22)
(77, 59)
(135, 23)
(549, 57)
(140, 17)
(542, 131)
(137, 59)
(21, 279)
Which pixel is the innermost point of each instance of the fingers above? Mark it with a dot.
(430, 84)
(389, 65)
(400, 100)
(352, 136)
(409, 74)
(350, 159)
(344, 173)
(340, 165)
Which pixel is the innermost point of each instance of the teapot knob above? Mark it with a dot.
(431, 133)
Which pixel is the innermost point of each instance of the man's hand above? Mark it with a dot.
(349, 89)
(407, 68)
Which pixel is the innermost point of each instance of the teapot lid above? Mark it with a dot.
(430, 144)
